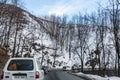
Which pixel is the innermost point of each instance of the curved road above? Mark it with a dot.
(61, 75)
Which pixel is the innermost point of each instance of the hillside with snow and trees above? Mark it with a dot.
(89, 40)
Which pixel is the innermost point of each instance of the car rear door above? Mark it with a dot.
(24, 70)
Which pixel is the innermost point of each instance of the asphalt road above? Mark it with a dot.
(61, 75)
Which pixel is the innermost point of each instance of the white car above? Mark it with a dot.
(66, 68)
(22, 69)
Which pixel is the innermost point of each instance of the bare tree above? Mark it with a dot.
(15, 2)
(114, 11)
(81, 45)
(3, 1)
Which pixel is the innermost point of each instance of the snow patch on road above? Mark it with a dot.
(96, 77)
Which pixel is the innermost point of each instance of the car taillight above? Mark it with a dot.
(1, 76)
(37, 75)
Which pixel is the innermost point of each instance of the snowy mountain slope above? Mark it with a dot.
(23, 33)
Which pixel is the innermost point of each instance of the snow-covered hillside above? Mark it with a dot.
(66, 44)
(21, 32)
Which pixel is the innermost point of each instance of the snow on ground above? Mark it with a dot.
(96, 77)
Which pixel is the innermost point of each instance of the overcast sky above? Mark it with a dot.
(60, 7)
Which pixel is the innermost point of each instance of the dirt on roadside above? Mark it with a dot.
(3, 59)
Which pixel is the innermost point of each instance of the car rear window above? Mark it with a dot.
(20, 65)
